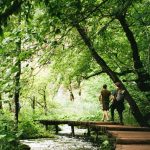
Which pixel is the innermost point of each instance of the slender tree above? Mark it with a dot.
(135, 110)
(42, 92)
(18, 74)
(1, 104)
(143, 80)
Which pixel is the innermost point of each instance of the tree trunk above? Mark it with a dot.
(79, 86)
(10, 107)
(143, 81)
(17, 77)
(45, 102)
(1, 104)
(33, 104)
(17, 88)
(71, 93)
(135, 110)
(42, 92)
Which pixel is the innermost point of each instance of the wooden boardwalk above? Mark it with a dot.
(124, 137)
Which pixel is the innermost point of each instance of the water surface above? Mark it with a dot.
(62, 142)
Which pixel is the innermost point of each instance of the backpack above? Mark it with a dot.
(120, 95)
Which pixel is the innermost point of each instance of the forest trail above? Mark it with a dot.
(124, 137)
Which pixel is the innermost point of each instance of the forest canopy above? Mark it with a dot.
(71, 43)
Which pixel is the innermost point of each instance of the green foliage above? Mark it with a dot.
(29, 129)
(93, 116)
(9, 140)
(32, 129)
(50, 44)
(106, 143)
(9, 137)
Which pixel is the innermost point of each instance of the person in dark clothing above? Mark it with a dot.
(118, 102)
(104, 99)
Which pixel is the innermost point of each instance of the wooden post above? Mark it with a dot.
(89, 131)
(72, 130)
(56, 127)
(46, 127)
(97, 131)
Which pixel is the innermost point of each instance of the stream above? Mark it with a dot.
(62, 142)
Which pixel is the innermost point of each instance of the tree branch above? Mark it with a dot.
(10, 10)
(94, 74)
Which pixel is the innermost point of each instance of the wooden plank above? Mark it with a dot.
(123, 134)
(132, 141)
(131, 137)
(130, 134)
(123, 128)
(132, 147)
(53, 122)
(75, 123)
(103, 123)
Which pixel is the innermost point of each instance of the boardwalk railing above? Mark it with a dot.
(125, 137)
(72, 124)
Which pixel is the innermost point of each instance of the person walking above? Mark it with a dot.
(104, 99)
(118, 96)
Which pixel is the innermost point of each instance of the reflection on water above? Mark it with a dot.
(61, 142)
